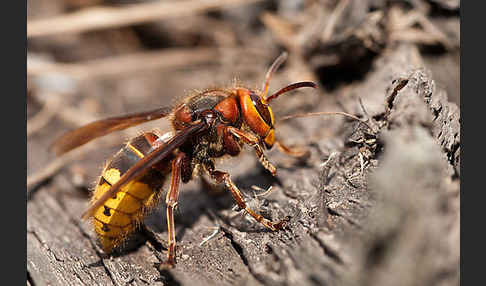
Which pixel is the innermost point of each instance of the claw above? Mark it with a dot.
(169, 264)
(282, 224)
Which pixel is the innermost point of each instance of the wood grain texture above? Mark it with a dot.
(377, 212)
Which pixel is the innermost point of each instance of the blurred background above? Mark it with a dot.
(90, 59)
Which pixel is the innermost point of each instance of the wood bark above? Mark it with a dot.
(374, 204)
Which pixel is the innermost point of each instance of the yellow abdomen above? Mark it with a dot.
(120, 215)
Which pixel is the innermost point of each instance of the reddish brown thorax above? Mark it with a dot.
(228, 108)
(234, 106)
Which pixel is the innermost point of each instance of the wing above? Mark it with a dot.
(147, 162)
(86, 133)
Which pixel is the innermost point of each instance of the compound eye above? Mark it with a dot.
(262, 109)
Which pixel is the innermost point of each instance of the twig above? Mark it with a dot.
(329, 159)
(211, 236)
(110, 17)
(48, 111)
(113, 66)
(283, 30)
(369, 119)
(264, 192)
(55, 166)
(324, 113)
(401, 27)
(333, 18)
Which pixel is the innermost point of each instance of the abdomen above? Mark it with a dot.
(120, 215)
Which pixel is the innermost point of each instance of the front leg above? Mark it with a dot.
(253, 141)
(223, 177)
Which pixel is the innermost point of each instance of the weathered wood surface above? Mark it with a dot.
(374, 204)
(379, 212)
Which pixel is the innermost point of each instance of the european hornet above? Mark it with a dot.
(207, 125)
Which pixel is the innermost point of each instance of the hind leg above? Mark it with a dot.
(171, 201)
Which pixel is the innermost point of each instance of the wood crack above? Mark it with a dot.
(30, 281)
(236, 246)
(239, 249)
(327, 250)
(84, 234)
(346, 218)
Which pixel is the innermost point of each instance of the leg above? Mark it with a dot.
(171, 201)
(294, 152)
(253, 141)
(223, 177)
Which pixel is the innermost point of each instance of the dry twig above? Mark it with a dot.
(401, 26)
(53, 167)
(109, 17)
(331, 23)
(169, 59)
(49, 110)
(283, 30)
